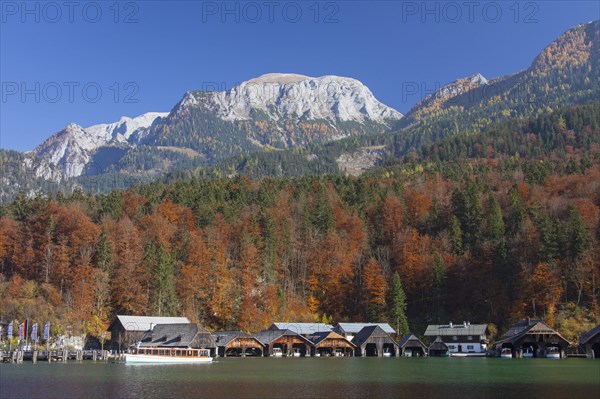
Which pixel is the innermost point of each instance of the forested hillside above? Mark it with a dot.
(488, 228)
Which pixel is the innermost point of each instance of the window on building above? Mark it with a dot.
(470, 347)
(470, 338)
(455, 338)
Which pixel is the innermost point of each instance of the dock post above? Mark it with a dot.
(65, 355)
(94, 355)
(34, 358)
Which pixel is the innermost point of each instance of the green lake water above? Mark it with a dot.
(309, 378)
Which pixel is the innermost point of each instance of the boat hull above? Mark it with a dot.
(482, 354)
(506, 356)
(553, 356)
(137, 359)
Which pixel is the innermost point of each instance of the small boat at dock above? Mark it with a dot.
(506, 353)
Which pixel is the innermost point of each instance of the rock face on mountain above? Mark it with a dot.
(72, 148)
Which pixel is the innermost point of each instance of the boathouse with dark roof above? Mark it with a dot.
(237, 343)
(330, 343)
(534, 336)
(373, 341)
(590, 342)
(411, 346)
(290, 342)
(438, 348)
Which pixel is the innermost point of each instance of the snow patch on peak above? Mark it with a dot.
(282, 78)
(73, 147)
(293, 96)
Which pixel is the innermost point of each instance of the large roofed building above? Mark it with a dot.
(181, 335)
(461, 339)
(127, 330)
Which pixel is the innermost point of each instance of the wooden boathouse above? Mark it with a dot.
(373, 341)
(438, 348)
(290, 342)
(411, 346)
(237, 343)
(330, 343)
(128, 330)
(590, 342)
(533, 336)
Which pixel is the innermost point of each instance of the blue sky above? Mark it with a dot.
(94, 62)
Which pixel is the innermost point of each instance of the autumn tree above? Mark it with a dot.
(375, 289)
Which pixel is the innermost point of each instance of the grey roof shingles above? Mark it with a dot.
(303, 328)
(172, 335)
(408, 339)
(353, 328)
(368, 331)
(143, 323)
(444, 330)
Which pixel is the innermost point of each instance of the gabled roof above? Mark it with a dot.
(223, 338)
(302, 328)
(143, 323)
(528, 326)
(438, 345)
(368, 332)
(172, 335)
(589, 335)
(412, 340)
(353, 328)
(268, 336)
(444, 330)
(321, 336)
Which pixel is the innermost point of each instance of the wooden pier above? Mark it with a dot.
(62, 356)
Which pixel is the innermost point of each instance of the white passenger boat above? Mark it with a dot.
(168, 355)
(528, 352)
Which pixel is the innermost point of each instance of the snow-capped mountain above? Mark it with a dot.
(73, 147)
(293, 96)
(273, 110)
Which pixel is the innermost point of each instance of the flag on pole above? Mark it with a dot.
(47, 331)
(10, 330)
(34, 336)
(21, 330)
